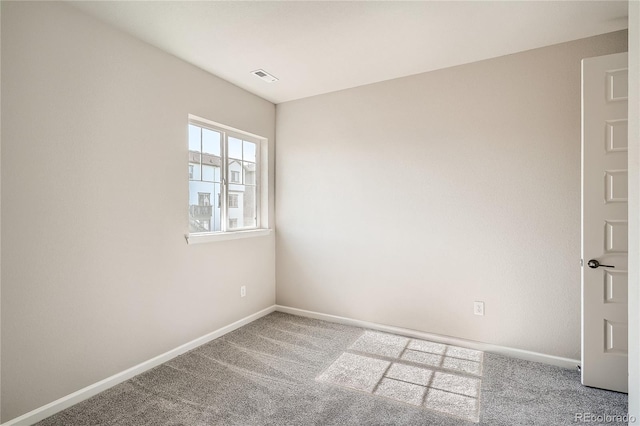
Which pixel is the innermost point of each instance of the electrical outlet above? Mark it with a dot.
(243, 291)
(478, 308)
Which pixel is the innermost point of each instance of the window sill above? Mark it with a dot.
(223, 236)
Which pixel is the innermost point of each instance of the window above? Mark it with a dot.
(233, 201)
(224, 166)
(203, 199)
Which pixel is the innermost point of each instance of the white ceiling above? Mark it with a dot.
(319, 47)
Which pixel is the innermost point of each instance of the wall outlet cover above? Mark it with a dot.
(478, 308)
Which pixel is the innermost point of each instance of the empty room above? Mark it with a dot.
(319, 212)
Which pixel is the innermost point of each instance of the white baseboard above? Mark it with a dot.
(485, 347)
(58, 405)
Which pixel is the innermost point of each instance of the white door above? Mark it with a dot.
(604, 222)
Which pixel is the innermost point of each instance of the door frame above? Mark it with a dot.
(634, 208)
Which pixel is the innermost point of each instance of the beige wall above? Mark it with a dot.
(403, 202)
(96, 275)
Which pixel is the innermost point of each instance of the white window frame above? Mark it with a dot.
(226, 233)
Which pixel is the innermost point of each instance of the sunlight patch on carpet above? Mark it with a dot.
(430, 375)
(355, 371)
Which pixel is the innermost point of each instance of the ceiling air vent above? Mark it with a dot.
(264, 75)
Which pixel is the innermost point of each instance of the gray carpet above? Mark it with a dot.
(289, 370)
(443, 378)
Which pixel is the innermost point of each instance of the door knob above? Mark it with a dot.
(595, 264)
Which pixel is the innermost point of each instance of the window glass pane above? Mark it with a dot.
(201, 211)
(236, 188)
(194, 171)
(194, 138)
(204, 198)
(249, 153)
(234, 197)
(215, 226)
(216, 174)
(249, 170)
(211, 142)
(210, 160)
(208, 173)
(249, 207)
(245, 214)
(235, 148)
(234, 213)
(235, 171)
